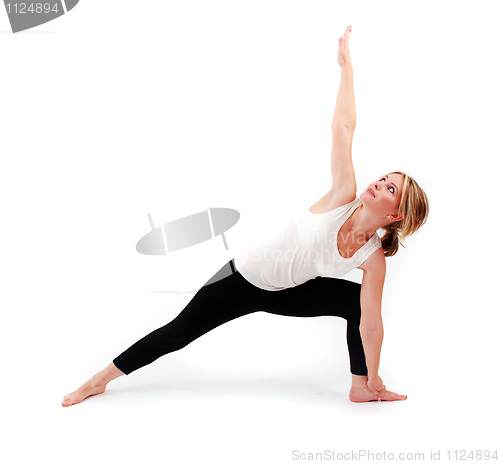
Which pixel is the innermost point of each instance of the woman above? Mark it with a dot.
(295, 272)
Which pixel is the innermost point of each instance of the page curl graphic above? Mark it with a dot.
(188, 231)
(31, 13)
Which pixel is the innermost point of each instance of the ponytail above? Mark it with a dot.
(390, 239)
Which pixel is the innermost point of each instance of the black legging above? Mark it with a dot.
(233, 296)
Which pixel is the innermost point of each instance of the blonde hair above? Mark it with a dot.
(414, 207)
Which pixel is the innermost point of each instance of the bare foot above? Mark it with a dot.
(95, 386)
(363, 394)
(89, 388)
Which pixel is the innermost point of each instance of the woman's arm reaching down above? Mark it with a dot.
(371, 327)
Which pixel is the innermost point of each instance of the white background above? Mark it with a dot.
(122, 108)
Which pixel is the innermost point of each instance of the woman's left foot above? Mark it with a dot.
(89, 388)
(363, 395)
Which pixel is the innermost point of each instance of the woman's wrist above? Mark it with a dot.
(372, 371)
(346, 69)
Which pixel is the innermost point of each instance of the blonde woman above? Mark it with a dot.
(296, 271)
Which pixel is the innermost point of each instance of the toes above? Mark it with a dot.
(69, 400)
(66, 403)
(391, 396)
(396, 397)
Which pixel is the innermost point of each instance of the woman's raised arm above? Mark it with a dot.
(345, 109)
(343, 125)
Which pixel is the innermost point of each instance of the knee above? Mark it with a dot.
(168, 339)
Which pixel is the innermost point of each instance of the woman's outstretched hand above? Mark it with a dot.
(375, 385)
(343, 56)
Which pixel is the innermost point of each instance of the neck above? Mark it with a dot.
(361, 222)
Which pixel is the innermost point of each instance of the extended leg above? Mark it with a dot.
(214, 304)
(211, 307)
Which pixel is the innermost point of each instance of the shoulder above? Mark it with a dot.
(373, 278)
(335, 198)
(375, 263)
(342, 196)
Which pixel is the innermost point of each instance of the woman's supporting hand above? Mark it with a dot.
(375, 385)
(343, 55)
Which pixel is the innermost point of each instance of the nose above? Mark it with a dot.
(377, 185)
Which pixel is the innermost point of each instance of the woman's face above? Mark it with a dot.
(382, 198)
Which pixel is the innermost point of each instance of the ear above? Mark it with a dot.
(395, 217)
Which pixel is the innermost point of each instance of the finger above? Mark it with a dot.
(376, 393)
(347, 33)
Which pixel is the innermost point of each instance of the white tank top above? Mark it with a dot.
(303, 249)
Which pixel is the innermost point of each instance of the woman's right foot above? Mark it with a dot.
(364, 394)
(89, 388)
